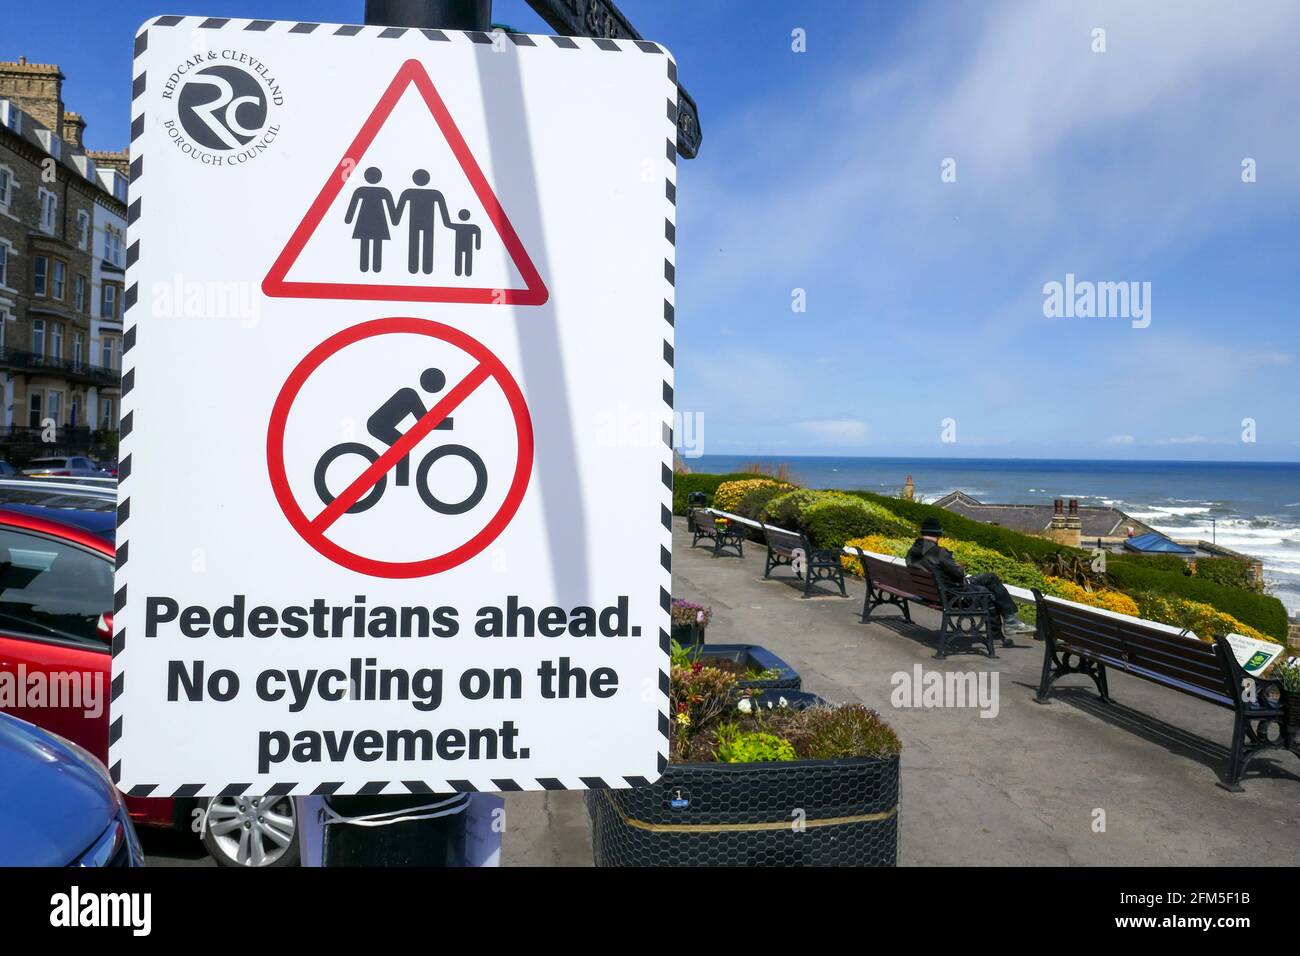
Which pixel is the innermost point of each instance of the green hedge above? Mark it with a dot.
(1261, 611)
(1011, 543)
(1226, 571)
(683, 485)
(830, 518)
(1165, 563)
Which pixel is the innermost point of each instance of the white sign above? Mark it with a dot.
(1254, 656)
(386, 289)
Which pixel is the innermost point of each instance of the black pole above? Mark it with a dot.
(432, 14)
(436, 841)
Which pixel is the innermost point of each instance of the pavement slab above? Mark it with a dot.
(1073, 782)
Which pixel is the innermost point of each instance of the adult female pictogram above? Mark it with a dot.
(383, 426)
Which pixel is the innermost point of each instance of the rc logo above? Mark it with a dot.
(226, 105)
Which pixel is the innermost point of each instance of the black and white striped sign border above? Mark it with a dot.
(518, 40)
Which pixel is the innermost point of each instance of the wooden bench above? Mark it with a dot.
(793, 548)
(705, 525)
(968, 612)
(1084, 640)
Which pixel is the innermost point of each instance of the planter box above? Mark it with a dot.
(688, 635)
(717, 814)
(751, 655)
(1291, 709)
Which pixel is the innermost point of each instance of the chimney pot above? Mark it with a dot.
(1074, 506)
(1058, 506)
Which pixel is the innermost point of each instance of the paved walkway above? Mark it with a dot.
(1027, 786)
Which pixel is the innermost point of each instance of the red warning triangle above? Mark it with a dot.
(411, 73)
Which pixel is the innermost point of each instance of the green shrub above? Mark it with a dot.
(1226, 571)
(754, 746)
(1011, 543)
(1135, 575)
(754, 504)
(848, 731)
(830, 518)
(683, 485)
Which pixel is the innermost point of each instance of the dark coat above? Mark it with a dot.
(927, 554)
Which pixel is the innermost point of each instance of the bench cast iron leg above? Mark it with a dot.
(1236, 756)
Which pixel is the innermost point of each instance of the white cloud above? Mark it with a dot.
(1121, 440)
(835, 431)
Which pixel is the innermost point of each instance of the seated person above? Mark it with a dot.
(926, 553)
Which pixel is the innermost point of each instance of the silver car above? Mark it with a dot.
(75, 466)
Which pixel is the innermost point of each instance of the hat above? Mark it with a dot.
(930, 528)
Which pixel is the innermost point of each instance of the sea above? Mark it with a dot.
(1253, 508)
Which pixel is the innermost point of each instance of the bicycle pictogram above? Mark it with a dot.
(382, 425)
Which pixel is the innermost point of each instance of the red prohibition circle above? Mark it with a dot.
(496, 371)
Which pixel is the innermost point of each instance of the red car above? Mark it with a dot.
(56, 625)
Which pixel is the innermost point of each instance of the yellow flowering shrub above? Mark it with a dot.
(730, 493)
(1202, 619)
(875, 543)
(1105, 598)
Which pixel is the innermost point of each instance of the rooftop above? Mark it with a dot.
(1036, 519)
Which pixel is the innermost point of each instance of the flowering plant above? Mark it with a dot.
(1288, 673)
(688, 613)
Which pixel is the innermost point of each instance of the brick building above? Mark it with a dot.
(62, 262)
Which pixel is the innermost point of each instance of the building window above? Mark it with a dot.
(108, 418)
(78, 349)
(56, 341)
(38, 336)
(49, 210)
(79, 294)
(34, 409)
(6, 187)
(40, 276)
(12, 115)
(113, 245)
(59, 274)
(83, 229)
(108, 304)
(54, 406)
(73, 411)
(105, 351)
(4, 265)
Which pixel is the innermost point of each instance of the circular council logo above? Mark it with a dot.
(226, 107)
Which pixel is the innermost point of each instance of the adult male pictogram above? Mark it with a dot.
(315, 520)
(461, 246)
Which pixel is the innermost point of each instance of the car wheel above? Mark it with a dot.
(251, 831)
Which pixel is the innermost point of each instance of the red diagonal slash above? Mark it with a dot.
(400, 448)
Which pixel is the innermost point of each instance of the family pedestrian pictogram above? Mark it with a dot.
(382, 425)
(410, 179)
(372, 210)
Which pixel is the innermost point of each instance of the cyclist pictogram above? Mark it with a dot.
(383, 426)
(392, 450)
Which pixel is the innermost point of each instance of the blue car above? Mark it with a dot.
(58, 806)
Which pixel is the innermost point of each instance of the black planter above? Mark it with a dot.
(792, 813)
(689, 635)
(751, 655)
(1291, 706)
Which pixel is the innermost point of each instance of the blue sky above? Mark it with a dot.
(821, 171)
